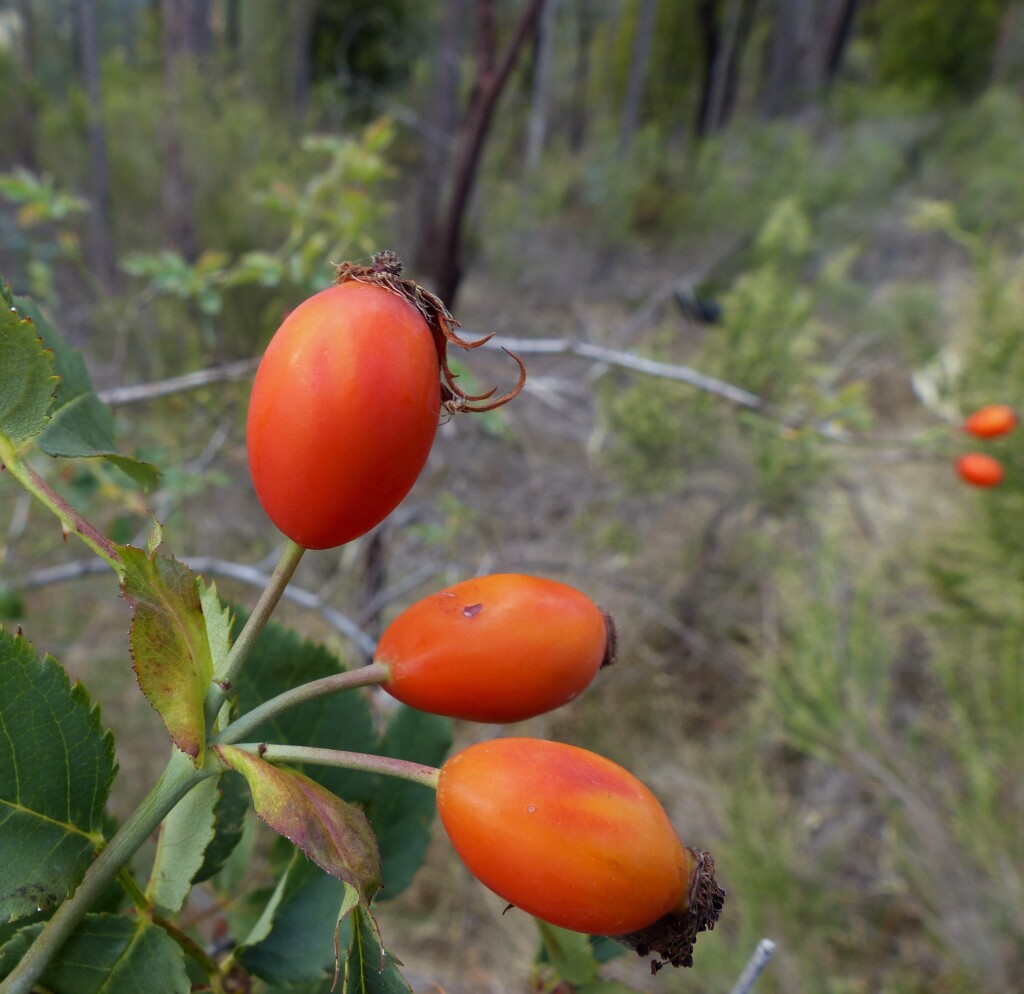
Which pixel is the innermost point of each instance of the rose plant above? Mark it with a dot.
(343, 412)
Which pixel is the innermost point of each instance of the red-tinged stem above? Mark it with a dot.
(366, 676)
(71, 519)
(364, 762)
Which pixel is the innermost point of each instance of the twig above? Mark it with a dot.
(757, 962)
(218, 567)
(528, 346)
(238, 370)
(626, 360)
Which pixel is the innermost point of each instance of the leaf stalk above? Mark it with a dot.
(72, 520)
(426, 776)
(365, 676)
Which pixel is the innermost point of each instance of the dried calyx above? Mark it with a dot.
(611, 645)
(671, 938)
(386, 271)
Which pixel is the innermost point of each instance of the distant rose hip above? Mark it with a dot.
(577, 841)
(991, 421)
(980, 470)
(496, 648)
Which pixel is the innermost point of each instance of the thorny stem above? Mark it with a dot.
(178, 778)
(365, 676)
(364, 762)
(71, 519)
(283, 572)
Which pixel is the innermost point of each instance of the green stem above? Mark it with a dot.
(177, 779)
(189, 946)
(135, 893)
(283, 572)
(365, 676)
(71, 519)
(365, 762)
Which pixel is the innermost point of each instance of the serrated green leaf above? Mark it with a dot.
(333, 833)
(81, 425)
(228, 823)
(169, 644)
(293, 941)
(107, 954)
(218, 625)
(27, 380)
(368, 968)
(402, 812)
(184, 836)
(56, 767)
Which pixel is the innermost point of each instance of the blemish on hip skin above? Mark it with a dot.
(472, 610)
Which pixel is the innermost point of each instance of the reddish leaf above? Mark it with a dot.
(334, 834)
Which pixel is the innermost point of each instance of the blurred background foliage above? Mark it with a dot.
(819, 203)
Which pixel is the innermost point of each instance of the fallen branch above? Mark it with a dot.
(238, 370)
(757, 962)
(638, 364)
(218, 567)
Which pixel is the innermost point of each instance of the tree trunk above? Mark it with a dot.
(491, 78)
(723, 50)
(643, 40)
(440, 134)
(580, 79)
(540, 109)
(788, 82)
(1008, 61)
(807, 47)
(185, 38)
(837, 29)
(302, 63)
(27, 147)
(100, 236)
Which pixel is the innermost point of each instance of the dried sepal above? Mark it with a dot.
(672, 937)
(386, 271)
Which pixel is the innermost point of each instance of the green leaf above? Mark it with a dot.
(228, 824)
(293, 941)
(81, 424)
(309, 917)
(218, 625)
(107, 954)
(169, 644)
(402, 812)
(181, 849)
(56, 767)
(27, 380)
(333, 833)
(368, 967)
(569, 953)
(606, 949)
